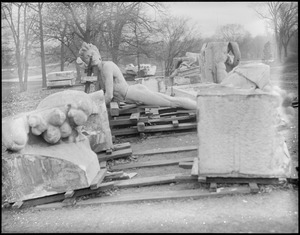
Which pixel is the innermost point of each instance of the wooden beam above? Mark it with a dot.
(17, 205)
(165, 195)
(125, 131)
(122, 146)
(134, 117)
(213, 187)
(69, 194)
(150, 163)
(186, 165)
(170, 127)
(61, 196)
(166, 150)
(69, 202)
(146, 181)
(240, 180)
(102, 165)
(113, 174)
(195, 167)
(114, 109)
(186, 178)
(141, 126)
(98, 179)
(115, 154)
(175, 122)
(253, 187)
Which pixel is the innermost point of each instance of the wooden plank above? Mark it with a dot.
(166, 150)
(128, 111)
(141, 126)
(113, 174)
(126, 131)
(60, 196)
(127, 121)
(116, 154)
(120, 122)
(165, 195)
(150, 163)
(17, 205)
(69, 194)
(170, 127)
(186, 178)
(169, 119)
(134, 117)
(122, 146)
(253, 187)
(98, 179)
(213, 187)
(108, 151)
(114, 109)
(102, 165)
(195, 167)
(190, 112)
(69, 202)
(234, 180)
(146, 181)
(175, 122)
(186, 165)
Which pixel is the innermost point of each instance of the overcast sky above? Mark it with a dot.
(209, 15)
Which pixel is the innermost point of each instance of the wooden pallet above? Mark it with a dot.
(213, 181)
(132, 119)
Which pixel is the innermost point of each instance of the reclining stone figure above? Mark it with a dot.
(117, 89)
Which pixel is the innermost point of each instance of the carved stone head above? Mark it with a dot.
(88, 51)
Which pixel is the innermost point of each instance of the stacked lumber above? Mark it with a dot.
(130, 119)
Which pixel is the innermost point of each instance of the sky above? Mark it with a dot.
(210, 15)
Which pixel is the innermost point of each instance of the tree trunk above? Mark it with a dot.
(44, 81)
(285, 50)
(62, 56)
(20, 69)
(26, 64)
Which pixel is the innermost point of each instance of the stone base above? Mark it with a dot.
(41, 169)
(238, 136)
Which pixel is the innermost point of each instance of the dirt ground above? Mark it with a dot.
(273, 209)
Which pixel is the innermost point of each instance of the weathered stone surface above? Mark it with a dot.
(213, 57)
(42, 169)
(48, 152)
(238, 136)
(60, 115)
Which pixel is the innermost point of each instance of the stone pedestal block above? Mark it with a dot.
(238, 136)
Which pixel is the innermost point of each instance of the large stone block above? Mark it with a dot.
(42, 169)
(47, 151)
(238, 135)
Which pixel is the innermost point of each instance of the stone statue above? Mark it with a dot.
(117, 89)
(217, 59)
(59, 117)
(49, 153)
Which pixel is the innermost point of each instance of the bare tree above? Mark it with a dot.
(283, 18)
(119, 17)
(38, 7)
(176, 39)
(20, 38)
(288, 14)
(231, 32)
